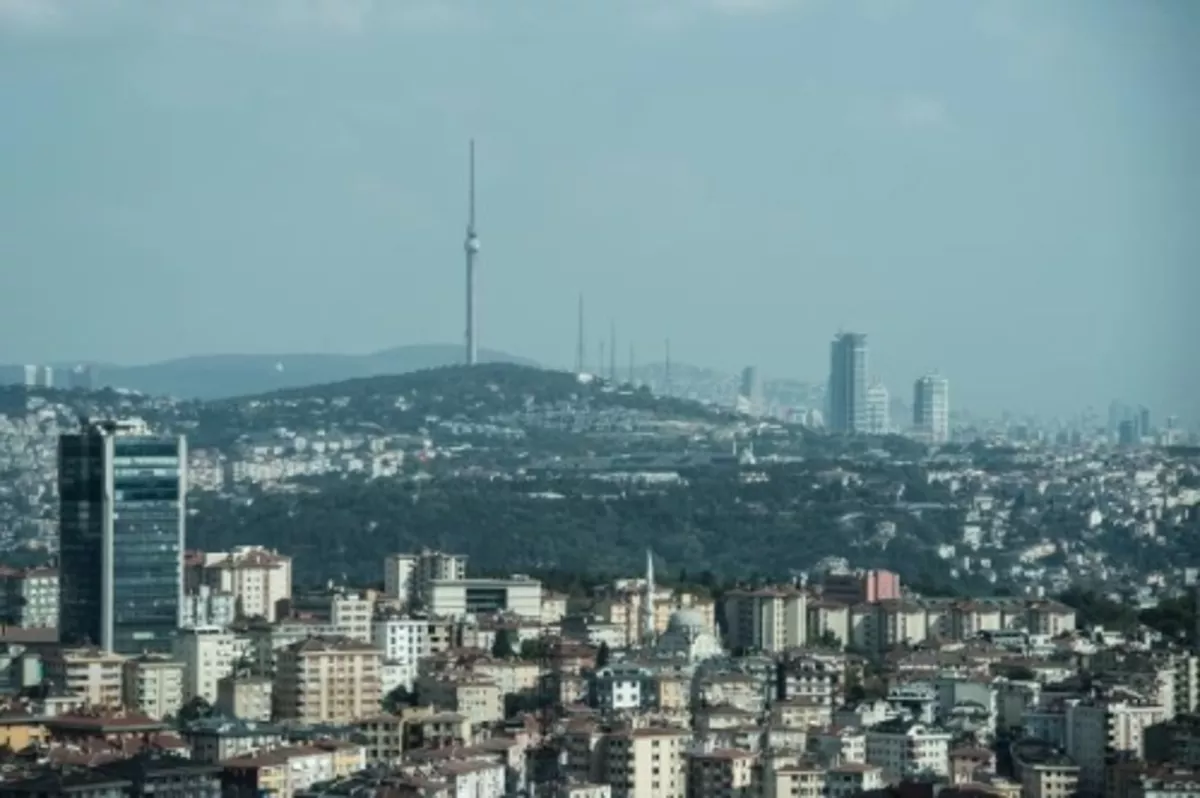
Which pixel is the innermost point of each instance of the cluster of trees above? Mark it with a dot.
(711, 524)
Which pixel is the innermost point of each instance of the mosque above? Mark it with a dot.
(687, 636)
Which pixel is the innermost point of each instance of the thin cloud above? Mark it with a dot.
(335, 17)
(921, 112)
(29, 15)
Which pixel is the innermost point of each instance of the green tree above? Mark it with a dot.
(502, 646)
(603, 655)
(534, 648)
(196, 709)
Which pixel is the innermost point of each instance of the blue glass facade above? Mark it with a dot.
(123, 505)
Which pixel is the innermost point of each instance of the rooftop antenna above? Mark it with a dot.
(667, 370)
(579, 364)
(471, 245)
(612, 352)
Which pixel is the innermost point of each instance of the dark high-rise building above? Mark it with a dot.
(846, 393)
(122, 505)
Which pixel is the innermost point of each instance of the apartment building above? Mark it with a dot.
(327, 680)
(475, 698)
(853, 778)
(768, 620)
(245, 696)
(810, 678)
(408, 577)
(403, 641)
(208, 653)
(646, 763)
(207, 607)
(92, 674)
(259, 578)
(29, 597)
(284, 772)
(1098, 728)
(861, 586)
(723, 773)
(901, 748)
(1045, 771)
(789, 775)
(153, 685)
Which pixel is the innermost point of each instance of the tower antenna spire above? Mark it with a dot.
(612, 351)
(471, 246)
(579, 357)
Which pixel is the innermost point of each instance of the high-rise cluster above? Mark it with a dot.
(855, 407)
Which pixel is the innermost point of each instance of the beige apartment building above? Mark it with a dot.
(245, 696)
(647, 763)
(94, 675)
(259, 578)
(474, 697)
(769, 620)
(327, 680)
(153, 685)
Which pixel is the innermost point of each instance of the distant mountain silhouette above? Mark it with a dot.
(224, 376)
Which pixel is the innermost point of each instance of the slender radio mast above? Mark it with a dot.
(612, 352)
(667, 370)
(471, 246)
(600, 361)
(631, 363)
(579, 364)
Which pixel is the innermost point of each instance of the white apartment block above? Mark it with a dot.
(408, 577)
(245, 697)
(153, 685)
(403, 641)
(207, 607)
(903, 748)
(29, 598)
(258, 577)
(351, 615)
(208, 654)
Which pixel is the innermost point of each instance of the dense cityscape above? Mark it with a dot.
(822, 424)
(951, 611)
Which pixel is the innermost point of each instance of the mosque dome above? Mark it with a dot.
(686, 621)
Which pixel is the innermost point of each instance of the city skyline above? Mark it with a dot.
(951, 213)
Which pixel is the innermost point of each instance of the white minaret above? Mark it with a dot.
(648, 601)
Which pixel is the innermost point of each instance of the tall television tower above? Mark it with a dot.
(471, 245)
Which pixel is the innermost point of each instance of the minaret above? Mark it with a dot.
(648, 601)
(471, 245)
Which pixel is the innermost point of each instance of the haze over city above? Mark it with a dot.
(1002, 191)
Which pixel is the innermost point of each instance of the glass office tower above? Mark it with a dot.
(122, 501)
(846, 392)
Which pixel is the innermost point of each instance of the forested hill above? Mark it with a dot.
(713, 521)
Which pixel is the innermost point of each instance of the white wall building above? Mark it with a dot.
(208, 653)
(460, 597)
(903, 748)
(207, 607)
(403, 642)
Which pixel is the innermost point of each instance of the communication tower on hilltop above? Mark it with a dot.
(471, 245)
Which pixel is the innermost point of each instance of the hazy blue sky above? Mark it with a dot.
(1008, 192)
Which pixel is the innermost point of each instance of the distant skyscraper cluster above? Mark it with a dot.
(854, 405)
(39, 376)
(1129, 425)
